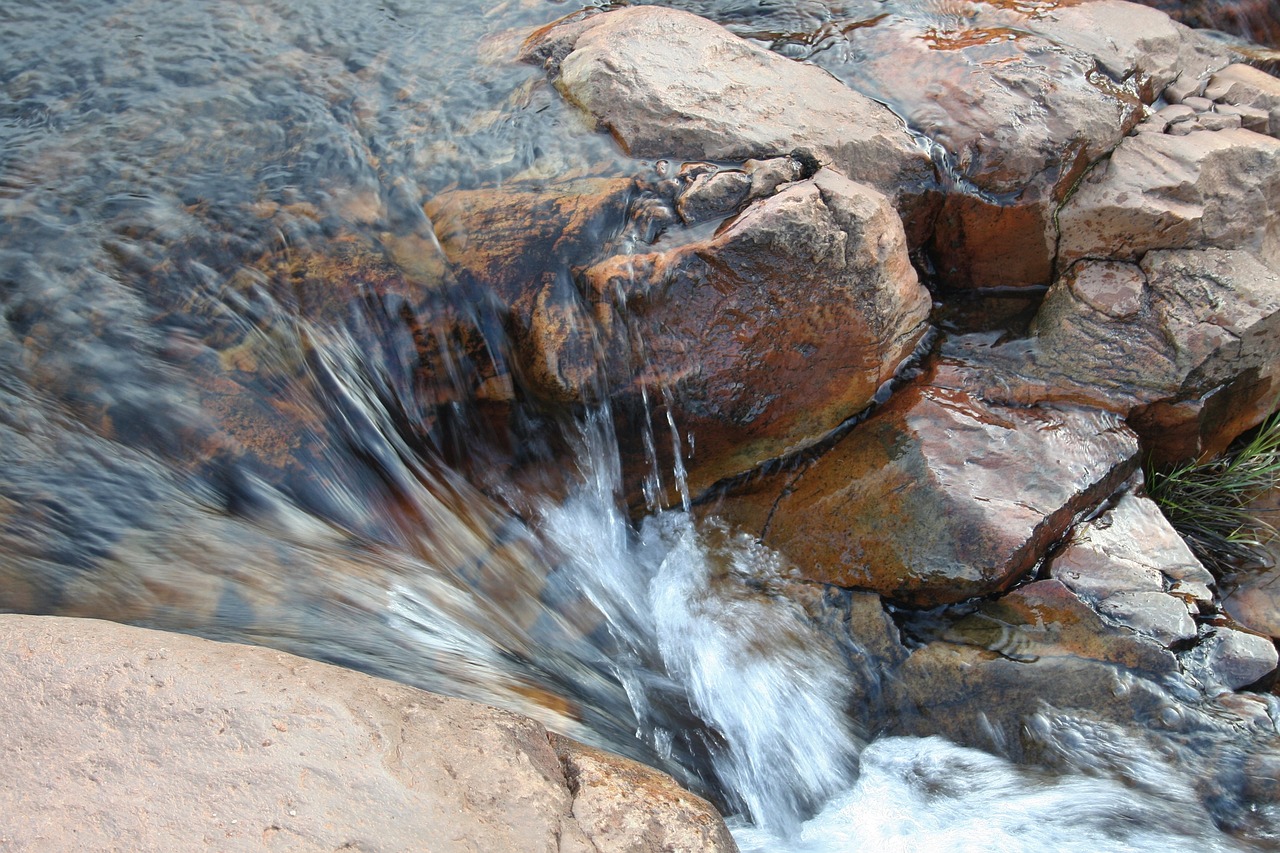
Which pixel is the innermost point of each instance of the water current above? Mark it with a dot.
(213, 419)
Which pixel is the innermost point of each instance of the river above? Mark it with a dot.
(199, 433)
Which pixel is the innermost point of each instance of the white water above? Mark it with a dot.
(683, 604)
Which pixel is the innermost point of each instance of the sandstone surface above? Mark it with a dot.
(122, 738)
(667, 83)
(938, 496)
(765, 336)
(1160, 191)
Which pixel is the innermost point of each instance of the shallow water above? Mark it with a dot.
(203, 428)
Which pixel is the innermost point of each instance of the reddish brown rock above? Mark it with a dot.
(1258, 20)
(1202, 190)
(939, 497)
(118, 737)
(667, 83)
(767, 335)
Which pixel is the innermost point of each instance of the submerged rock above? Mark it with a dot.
(667, 83)
(939, 496)
(254, 748)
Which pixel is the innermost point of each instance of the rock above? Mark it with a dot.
(1130, 42)
(667, 83)
(1258, 20)
(121, 736)
(1232, 659)
(1132, 567)
(939, 497)
(1205, 190)
(1022, 104)
(1245, 86)
(765, 336)
(714, 194)
(1251, 118)
(1182, 344)
(1254, 601)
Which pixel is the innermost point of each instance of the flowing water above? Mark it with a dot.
(213, 419)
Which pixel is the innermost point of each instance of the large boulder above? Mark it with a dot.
(764, 337)
(667, 83)
(939, 497)
(1021, 103)
(121, 737)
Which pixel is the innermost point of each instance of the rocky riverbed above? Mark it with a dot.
(825, 341)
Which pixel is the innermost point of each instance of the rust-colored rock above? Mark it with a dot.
(939, 497)
(767, 335)
(119, 737)
(667, 83)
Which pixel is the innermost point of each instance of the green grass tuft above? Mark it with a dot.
(1208, 503)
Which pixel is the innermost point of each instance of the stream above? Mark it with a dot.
(197, 434)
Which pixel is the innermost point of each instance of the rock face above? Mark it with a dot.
(769, 334)
(118, 736)
(940, 497)
(1186, 338)
(667, 83)
(1021, 104)
(1160, 191)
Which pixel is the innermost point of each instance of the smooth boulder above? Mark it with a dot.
(123, 737)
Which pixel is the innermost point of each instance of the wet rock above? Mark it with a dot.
(939, 497)
(1232, 659)
(765, 336)
(1021, 104)
(1132, 567)
(1130, 41)
(1204, 190)
(667, 83)
(714, 195)
(1182, 344)
(254, 747)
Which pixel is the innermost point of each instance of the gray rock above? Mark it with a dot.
(1200, 105)
(1251, 118)
(1219, 190)
(1232, 659)
(1219, 121)
(1184, 86)
(123, 738)
(1246, 86)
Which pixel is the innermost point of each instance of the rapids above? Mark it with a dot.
(193, 436)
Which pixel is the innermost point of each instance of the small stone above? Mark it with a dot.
(1237, 659)
(1175, 113)
(1155, 124)
(1251, 118)
(1200, 105)
(712, 195)
(1182, 88)
(1183, 128)
(1218, 121)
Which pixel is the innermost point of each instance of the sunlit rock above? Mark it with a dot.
(255, 748)
(939, 497)
(667, 83)
(765, 336)
(1245, 86)
(1134, 569)
(1159, 191)
(1232, 659)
